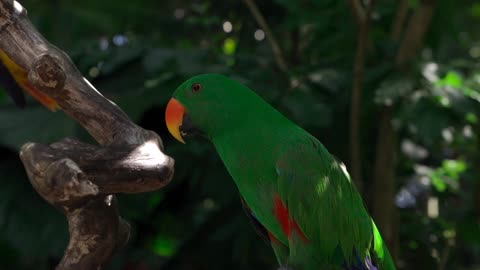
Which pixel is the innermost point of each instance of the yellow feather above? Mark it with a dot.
(21, 77)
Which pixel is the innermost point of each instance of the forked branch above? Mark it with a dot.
(78, 178)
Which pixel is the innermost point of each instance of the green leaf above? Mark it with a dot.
(164, 245)
(392, 89)
(157, 59)
(469, 230)
(3, 94)
(454, 168)
(471, 118)
(475, 10)
(119, 57)
(452, 79)
(229, 46)
(414, 3)
(438, 182)
(21, 211)
(34, 124)
(305, 109)
(426, 120)
(448, 175)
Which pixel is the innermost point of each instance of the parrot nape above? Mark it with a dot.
(14, 78)
(292, 188)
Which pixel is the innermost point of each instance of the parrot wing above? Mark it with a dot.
(319, 208)
(281, 251)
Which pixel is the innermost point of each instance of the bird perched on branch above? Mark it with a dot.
(14, 78)
(293, 189)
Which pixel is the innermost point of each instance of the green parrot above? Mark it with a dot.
(295, 191)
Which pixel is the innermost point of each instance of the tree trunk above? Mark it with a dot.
(384, 211)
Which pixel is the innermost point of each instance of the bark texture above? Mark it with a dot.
(78, 178)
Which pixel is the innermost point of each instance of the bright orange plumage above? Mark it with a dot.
(21, 77)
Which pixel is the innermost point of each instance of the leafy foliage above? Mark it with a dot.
(137, 52)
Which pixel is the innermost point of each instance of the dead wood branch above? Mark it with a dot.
(78, 178)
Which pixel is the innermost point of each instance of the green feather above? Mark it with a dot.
(267, 155)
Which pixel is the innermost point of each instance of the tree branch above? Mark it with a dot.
(75, 177)
(355, 110)
(358, 12)
(399, 21)
(442, 261)
(277, 51)
(415, 33)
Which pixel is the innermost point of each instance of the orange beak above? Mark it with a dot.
(174, 118)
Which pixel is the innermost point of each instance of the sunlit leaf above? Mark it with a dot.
(438, 182)
(229, 46)
(448, 174)
(453, 168)
(452, 79)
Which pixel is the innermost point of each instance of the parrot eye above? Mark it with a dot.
(196, 87)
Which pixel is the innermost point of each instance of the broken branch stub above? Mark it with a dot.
(75, 177)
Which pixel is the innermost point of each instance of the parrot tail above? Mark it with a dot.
(47, 101)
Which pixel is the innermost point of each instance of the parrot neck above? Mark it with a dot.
(250, 153)
(252, 148)
(255, 135)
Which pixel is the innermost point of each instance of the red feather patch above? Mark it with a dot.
(288, 224)
(272, 237)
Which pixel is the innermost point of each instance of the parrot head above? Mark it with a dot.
(207, 105)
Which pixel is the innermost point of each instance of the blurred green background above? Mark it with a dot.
(419, 131)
